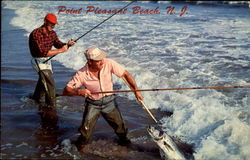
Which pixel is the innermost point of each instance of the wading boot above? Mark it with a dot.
(80, 143)
(124, 141)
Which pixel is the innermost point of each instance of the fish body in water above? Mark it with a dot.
(168, 148)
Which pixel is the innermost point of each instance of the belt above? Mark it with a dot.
(103, 101)
(38, 64)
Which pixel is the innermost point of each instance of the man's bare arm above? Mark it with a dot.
(128, 77)
(76, 92)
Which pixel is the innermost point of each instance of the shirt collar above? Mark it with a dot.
(87, 68)
(41, 31)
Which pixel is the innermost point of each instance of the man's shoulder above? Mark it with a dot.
(109, 60)
(36, 32)
(39, 29)
(82, 73)
(112, 62)
(53, 32)
(83, 70)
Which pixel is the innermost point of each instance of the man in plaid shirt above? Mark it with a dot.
(41, 41)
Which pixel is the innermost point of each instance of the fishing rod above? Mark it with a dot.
(165, 89)
(141, 102)
(161, 89)
(94, 28)
(148, 111)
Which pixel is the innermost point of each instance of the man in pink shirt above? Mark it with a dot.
(96, 76)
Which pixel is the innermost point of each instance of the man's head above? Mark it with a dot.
(50, 21)
(95, 57)
(95, 54)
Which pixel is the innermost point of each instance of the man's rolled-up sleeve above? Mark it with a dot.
(57, 43)
(75, 82)
(117, 69)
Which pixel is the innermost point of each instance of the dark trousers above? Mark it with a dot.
(110, 113)
(45, 86)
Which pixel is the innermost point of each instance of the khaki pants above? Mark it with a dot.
(107, 107)
(45, 85)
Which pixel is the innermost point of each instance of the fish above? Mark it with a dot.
(168, 148)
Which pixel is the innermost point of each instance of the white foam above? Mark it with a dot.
(22, 144)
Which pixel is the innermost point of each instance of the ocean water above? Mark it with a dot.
(207, 46)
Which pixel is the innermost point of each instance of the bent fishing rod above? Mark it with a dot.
(161, 89)
(165, 89)
(94, 28)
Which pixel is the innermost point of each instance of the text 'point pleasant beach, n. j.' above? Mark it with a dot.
(170, 10)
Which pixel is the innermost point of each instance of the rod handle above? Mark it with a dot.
(148, 111)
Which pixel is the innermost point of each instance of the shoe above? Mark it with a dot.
(124, 142)
(80, 144)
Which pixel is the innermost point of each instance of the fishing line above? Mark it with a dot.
(94, 28)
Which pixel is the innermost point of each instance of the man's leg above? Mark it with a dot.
(50, 88)
(47, 112)
(115, 120)
(49, 117)
(90, 116)
(39, 90)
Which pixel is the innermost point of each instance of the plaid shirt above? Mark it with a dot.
(40, 43)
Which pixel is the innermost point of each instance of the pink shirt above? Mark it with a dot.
(83, 77)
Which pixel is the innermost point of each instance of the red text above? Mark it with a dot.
(63, 9)
(138, 10)
(97, 10)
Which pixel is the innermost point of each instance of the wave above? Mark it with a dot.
(215, 3)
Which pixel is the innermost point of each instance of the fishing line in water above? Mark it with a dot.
(94, 27)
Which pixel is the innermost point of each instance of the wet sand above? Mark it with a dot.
(28, 131)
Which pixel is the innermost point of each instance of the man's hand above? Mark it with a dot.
(83, 92)
(71, 43)
(138, 96)
(76, 92)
